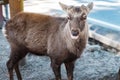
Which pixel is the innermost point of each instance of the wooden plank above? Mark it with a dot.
(104, 40)
(15, 6)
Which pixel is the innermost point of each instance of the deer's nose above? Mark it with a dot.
(75, 32)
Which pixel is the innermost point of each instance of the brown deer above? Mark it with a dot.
(62, 39)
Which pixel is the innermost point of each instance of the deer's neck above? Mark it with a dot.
(75, 46)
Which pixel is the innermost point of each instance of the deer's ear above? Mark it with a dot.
(63, 6)
(90, 6)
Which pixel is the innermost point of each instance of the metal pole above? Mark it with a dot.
(6, 11)
(1, 17)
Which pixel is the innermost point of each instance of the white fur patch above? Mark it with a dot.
(77, 14)
(74, 37)
(4, 30)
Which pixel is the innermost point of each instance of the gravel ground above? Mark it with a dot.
(94, 64)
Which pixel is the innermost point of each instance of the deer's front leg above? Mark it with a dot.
(56, 69)
(69, 68)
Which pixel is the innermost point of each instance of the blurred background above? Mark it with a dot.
(101, 58)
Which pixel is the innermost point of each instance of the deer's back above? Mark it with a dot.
(32, 30)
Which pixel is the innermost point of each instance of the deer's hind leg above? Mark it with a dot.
(17, 53)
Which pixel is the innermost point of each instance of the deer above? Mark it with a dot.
(62, 39)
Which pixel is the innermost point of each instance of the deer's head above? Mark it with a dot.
(76, 19)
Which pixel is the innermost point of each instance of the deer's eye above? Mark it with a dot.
(83, 17)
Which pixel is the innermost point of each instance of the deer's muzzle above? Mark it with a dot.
(75, 32)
